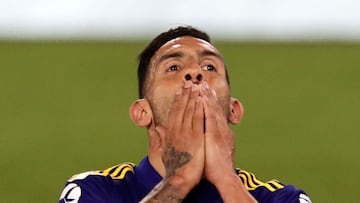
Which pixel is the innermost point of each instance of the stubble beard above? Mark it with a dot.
(161, 110)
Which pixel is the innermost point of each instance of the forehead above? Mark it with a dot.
(186, 43)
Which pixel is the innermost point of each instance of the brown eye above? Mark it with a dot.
(173, 68)
(209, 68)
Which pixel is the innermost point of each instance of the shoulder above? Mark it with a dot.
(271, 191)
(97, 186)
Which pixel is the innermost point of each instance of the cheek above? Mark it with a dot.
(166, 86)
(223, 95)
(221, 88)
(162, 94)
(161, 99)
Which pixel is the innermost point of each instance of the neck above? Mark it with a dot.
(155, 151)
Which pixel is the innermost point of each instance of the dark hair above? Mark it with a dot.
(146, 55)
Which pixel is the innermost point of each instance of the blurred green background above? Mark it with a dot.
(64, 110)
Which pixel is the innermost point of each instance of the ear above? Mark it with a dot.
(236, 111)
(140, 113)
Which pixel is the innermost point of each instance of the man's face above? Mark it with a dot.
(184, 58)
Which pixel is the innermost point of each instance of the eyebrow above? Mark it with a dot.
(181, 54)
(209, 53)
(171, 55)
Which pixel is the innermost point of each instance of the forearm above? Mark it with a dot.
(232, 190)
(170, 190)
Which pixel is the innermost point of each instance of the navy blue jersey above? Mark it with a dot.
(127, 183)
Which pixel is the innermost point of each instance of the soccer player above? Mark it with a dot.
(186, 107)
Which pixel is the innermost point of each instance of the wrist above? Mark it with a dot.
(219, 177)
(227, 180)
(232, 189)
(229, 183)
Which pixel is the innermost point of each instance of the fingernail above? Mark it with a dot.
(179, 91)
(188, 84)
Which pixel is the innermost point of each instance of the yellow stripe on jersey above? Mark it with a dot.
(119, 171)
(276, 183)
(251, 182)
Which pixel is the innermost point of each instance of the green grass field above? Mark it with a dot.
(64, 110)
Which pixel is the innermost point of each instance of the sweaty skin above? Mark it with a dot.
(187, 90)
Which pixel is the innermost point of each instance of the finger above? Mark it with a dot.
(209, 93)
(210, 105)
(198, 118)
(222, 130)
(177, 110)
(210, 117)
(190, 107)
(214, 105)
(221, 118)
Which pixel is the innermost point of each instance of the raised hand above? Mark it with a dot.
(219, 139)
(219, 152)
(183, 142)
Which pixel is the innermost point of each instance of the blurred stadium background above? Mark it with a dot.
(68, 76)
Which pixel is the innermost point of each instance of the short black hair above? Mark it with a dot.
(149, 51)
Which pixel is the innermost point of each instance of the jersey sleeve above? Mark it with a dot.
(113, 184)
(289, 194)
(272, 191)
(89, 187)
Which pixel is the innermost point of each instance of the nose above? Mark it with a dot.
(195, 77)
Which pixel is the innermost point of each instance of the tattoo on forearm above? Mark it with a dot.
(173, 197)
(164, 191)
(174, 159)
